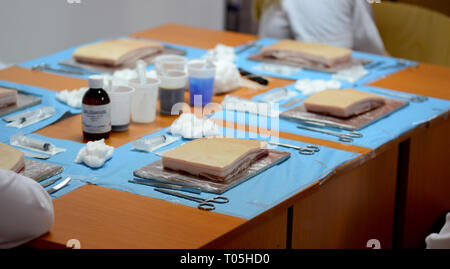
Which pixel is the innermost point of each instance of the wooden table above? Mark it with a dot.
(392, 194)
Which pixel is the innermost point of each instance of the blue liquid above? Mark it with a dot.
(203, 87)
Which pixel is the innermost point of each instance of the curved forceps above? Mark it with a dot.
(343, 137)
(203, 204)
(308, 150)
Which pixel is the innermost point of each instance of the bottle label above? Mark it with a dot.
(96, 119)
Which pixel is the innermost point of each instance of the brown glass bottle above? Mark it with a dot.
(96, 111)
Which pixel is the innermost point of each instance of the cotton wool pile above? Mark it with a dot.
(227, 77)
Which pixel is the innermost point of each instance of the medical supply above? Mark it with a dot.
(201, 82)
(47, 67)
(278, 95)
(227, 77)
(414, 99)
(292, 102)
(248, 45)
(343, 137)
(280, 69)
(342, 103)
(143, 100)
(171, 91)
(120, 97)
(190, 126)
(11, 158)
(41, 146)
(351, 74)
(27, 118)
(7, 97)
(155, 171)
(123, 76)
(221, 52)
(153, 143)
(203, 204)
(253, 77)
(216, 159)
(72, 98)
(95, 153)
(36, 155)
(307, 150)
(96, 110)
(61, 185)
(162, 185)
(244, 105)
(170, 62)
(116, 52)
(297, 51)
(50, 182)
(141, 68)
(309, 87)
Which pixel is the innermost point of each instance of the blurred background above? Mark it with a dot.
(413, 29)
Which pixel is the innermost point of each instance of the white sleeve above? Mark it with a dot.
(275, 23)
(26, 210)
(365, 33)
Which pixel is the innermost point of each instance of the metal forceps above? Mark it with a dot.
(415, 99)
(308, 150)
(203, 204)
(57, 70)
(343, 137)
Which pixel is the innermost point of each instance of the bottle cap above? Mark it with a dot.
(95, 82)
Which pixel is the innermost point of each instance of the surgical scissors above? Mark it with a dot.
(343, 137)
(308, 150)
(203, 204)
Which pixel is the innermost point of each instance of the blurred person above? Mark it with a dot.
(26, 210)
(343, 23)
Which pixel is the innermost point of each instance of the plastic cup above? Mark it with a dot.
(120, 97)
(170, 62)
(171, 90)
(143, 101)
(201, 82)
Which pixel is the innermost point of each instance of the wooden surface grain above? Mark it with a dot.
(349, 209)
(425, 79)
(427, 190)
(105, 218)
(194, 36)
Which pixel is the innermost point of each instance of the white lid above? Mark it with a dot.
(95, 82)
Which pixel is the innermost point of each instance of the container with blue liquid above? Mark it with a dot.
(201, 82)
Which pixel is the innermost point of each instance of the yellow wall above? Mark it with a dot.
(442, 6)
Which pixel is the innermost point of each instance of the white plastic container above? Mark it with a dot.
(143, 101)
(170, 62)
(120, 97)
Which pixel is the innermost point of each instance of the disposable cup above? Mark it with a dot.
(170, 62)
(143, 101)
(201, 82)
(120, 97)
(171, 90)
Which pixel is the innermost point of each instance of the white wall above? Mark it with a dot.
(34, 28)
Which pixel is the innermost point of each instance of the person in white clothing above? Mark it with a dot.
(26, 210)
(343, 23)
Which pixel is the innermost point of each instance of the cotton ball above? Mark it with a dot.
(308, 87)
(221, 53)
(72, 98)
(227, 77)
(95, 154)
(189, 126)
